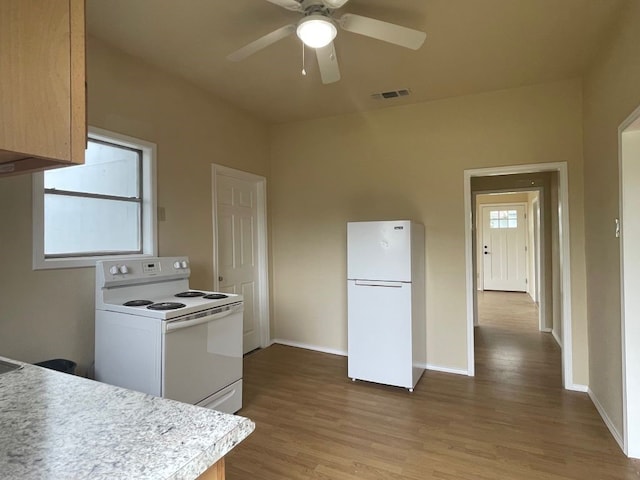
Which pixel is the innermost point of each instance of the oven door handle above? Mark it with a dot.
(178, 324)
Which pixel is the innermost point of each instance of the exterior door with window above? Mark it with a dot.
(237, 229)
(504, 248)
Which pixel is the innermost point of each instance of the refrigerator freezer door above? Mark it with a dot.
(380, 332)
(379, 250)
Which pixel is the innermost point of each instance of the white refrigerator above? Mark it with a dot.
(386, 302)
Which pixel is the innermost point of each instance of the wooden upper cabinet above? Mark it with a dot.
(42, 84)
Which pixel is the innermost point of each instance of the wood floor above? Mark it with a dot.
(512, 421)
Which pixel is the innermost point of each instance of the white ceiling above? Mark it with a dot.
(472, 46)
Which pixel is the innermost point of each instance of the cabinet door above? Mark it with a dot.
(42, 76)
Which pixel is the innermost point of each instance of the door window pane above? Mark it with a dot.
(503, 219)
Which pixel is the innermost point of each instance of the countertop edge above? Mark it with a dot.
(208, 458)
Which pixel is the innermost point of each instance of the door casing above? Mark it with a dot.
(629, 168)
(565, 260)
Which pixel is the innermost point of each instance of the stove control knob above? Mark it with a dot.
(114, 270)
(124, 269)
(176, 265)
(184, 264)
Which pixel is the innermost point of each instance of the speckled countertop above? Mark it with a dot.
(59, 426)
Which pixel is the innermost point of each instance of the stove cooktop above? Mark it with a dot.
(165, 305)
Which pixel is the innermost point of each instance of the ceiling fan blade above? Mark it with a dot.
(262, 42)
(334, 4)
(387, 32)
(288, 4)
(328, 64)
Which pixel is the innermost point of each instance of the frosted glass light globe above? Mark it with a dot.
(316, 31)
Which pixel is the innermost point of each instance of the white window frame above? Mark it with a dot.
(149, 222)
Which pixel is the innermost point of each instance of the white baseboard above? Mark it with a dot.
(438, 368)
(308, 346)
(343, 353)
(576, 387)
(546, 330)
(557, 337)
(606, 419)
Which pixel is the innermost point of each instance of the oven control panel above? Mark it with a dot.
(138, 271)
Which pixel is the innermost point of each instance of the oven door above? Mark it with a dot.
(202, 355)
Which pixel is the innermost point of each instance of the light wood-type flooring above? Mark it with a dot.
(512, 421)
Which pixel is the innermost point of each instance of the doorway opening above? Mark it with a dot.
(511, 241)
(629, 233)
(554, 198)
(513, 344)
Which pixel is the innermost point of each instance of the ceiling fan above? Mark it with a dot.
(318, 28)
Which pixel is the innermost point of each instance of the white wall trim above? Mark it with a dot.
(629, 280)
(308, 346)
(343, 353)
(605, 418)
(439, 368)
(468, 250)
(263, 252)
(577, 387)
(557, 337)
(565, 257)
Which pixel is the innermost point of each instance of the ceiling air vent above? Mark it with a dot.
(405, 92)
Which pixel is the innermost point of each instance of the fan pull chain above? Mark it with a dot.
(304, 72)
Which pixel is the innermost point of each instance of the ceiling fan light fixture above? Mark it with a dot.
(316, 31)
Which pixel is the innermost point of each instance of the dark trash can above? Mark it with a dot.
(59, 364)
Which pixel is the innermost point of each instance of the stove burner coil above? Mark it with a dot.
(166, 306)
(215, 296)
(189, 294)
(137, 303)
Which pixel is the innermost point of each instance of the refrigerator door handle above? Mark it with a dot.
(374, 283)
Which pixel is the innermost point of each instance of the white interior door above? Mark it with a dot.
(504, 248)
(237, 242)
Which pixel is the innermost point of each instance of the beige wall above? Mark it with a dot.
(611, 93)
(46, 314)
(408, 162)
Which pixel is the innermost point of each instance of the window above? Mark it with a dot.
(503, 219)
(104, 208)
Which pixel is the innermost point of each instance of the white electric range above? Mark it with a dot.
(156, 335)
